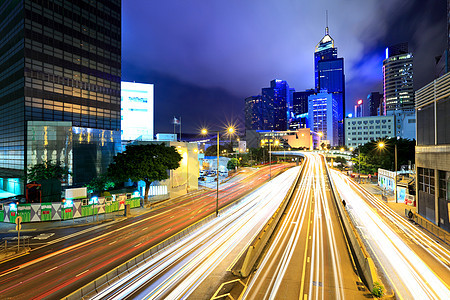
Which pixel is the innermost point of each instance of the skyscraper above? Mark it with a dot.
(298, 118)
(277, 99)
(398, 79)
(323, 116)
(256, 113)
(375, 103)
(329, 76)
(60, 85)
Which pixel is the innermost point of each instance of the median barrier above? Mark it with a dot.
(364, 262)
(246, 263)
(96, 285)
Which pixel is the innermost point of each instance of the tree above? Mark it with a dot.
(232, 164)
(144, 162)
(372, 157)
(100, 184)
(47, 170)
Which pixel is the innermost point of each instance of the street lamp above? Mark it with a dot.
(381, 145)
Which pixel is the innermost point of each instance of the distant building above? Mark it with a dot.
(398, 78)
(299, 112)
(60, 86)
(359, 109)
(277, 98)
(360, 131)
(302, 138)
(323, 116)
(137, 111)
(329, 76)
(433, 151)
(443, 61)
(257, 113)
(375, 101)
(405, 123)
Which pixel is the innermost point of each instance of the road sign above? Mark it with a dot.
(18, 223)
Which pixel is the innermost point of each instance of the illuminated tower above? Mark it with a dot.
(329, 76)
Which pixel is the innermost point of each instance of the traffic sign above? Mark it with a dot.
(18, 223)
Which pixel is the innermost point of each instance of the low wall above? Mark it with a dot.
(364, 262)
(55, 211)
(246, 262)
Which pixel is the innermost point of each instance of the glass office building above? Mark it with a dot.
(398, 79)
(60, 68)
(278, 99)
(329, 75)
(323, 116)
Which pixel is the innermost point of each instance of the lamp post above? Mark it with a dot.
(381, 146)
(204, 132)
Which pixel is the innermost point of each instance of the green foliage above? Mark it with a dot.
(100, 184)
(47, 170)
(259, 155)
(378, 289)
(232, 164)
(144, 162)
(372, 157)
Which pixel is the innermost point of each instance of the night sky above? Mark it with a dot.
(206, 56)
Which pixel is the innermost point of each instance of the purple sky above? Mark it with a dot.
(206, 56)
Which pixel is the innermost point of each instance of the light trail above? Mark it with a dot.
(176, 271)
(308, 218)
(410, 276)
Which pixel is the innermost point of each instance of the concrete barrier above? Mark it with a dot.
(246, 263)
(364, 262)
(96, 286)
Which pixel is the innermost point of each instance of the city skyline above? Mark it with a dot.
(205, 61)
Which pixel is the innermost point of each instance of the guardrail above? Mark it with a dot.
(431, 227)
(364, 262)
(96, 285)
(246, 262)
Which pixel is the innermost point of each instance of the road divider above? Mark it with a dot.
(364, 263)
(246, 262)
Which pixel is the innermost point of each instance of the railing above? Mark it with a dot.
(430, 226)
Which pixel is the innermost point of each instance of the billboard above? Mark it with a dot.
(136, 111)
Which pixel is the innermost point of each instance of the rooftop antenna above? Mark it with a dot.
(326, 28)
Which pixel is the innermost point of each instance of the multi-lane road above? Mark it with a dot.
(308, 257)
(58, 268)
(416, 265)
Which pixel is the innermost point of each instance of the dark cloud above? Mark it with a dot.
(205, 57)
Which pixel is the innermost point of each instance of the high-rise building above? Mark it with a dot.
(398, 79)
(375, 100)
(299, 112)
(257, 113)
(323, 116)
(443, 61)
(59, 85)
(433, 151)
(277, 97)
(359, 109)
(329, 75)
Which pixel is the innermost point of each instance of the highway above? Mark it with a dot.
(175, 272)
(58, 268)
(308, 257)
(414, 264)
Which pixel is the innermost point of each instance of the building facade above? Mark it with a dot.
(60, 73)
(375, 101)
(277, 98)
(323, 116)
(398, 79)
(329, 76)
(299, 112)
(257, 113)
(137, 111)
(433, 151)
(360, 131)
